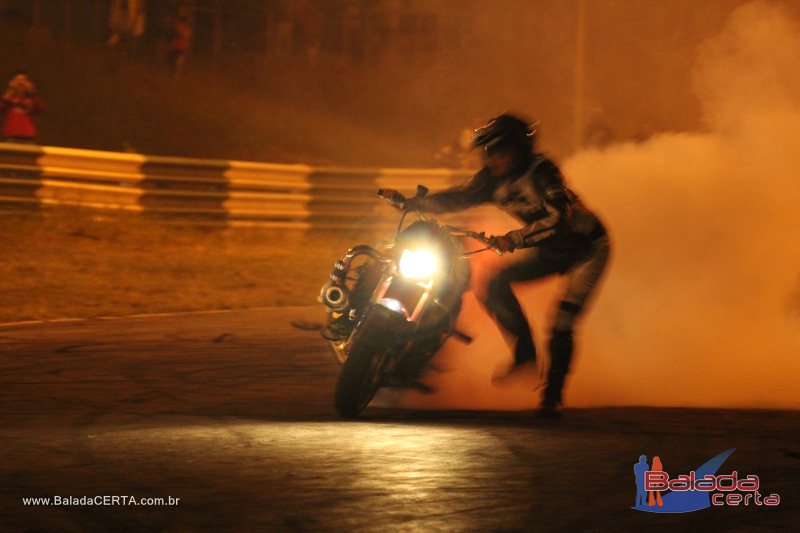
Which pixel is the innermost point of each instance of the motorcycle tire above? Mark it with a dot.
(362, 372)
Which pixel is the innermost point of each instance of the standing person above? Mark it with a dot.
(20, 102)
(559, 236)
(126, 21)
(179, 38)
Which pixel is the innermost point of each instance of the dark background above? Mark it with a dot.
(360, 82)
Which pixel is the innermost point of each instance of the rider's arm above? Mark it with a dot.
(542, 229)
(556, 202)
(476, 190)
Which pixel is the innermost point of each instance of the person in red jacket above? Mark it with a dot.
(179, 38)
(20, 102)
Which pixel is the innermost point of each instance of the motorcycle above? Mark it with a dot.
(388, 316)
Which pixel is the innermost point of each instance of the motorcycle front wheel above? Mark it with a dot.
(362, 371)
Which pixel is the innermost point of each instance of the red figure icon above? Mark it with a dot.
(655, 496)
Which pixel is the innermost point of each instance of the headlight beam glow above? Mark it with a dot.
(418, 264)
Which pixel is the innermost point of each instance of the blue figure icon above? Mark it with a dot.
(639, 469)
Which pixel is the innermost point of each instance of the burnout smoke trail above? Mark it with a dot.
(700, 304)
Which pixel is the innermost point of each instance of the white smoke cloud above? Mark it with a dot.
(700, 303)
(697, 310)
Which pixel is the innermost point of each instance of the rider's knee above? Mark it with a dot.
(497, 288)
(566, 316)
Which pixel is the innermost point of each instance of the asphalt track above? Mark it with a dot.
(231, 412)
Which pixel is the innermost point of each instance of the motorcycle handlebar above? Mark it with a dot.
(478, 236)
(399, 201)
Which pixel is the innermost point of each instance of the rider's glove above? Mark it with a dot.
(393, 197)
(399, 201)
(508, 242)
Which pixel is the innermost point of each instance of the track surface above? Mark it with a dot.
(230, 412)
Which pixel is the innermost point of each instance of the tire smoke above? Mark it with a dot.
(701, 301)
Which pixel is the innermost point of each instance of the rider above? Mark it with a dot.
(559, 236)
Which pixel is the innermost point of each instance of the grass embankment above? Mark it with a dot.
(75, 263)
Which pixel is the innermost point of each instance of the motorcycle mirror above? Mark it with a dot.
(422, 191)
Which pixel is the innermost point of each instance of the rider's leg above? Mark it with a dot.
(582, 280)
(561, 349)
(504, 306)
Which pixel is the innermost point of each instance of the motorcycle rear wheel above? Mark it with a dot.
(362, 372)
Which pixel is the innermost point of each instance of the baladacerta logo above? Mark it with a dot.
(701, 488)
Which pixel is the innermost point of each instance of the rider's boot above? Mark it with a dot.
(525, 349)
(561, 348)
(524, 352)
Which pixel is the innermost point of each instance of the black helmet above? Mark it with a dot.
(505, 130)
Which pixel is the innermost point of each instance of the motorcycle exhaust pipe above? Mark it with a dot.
(335, 297)
(335, 294)
(342, 266)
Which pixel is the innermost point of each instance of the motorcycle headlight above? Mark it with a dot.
(418, 264)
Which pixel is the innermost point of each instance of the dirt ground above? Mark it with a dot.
(72, 263)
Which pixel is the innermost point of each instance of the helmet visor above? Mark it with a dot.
(499, 145)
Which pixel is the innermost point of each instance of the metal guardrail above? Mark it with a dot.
(234, 191)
